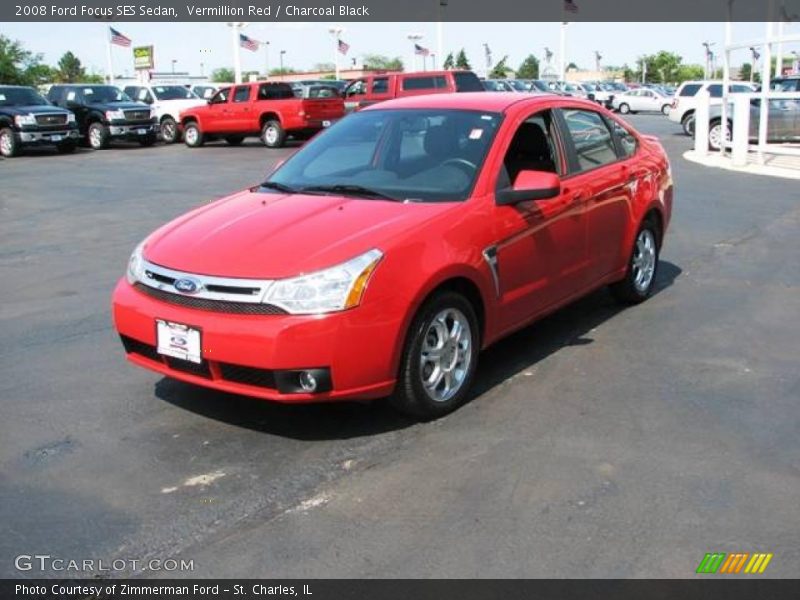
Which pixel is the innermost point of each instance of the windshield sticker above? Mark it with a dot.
(486, 117)
(2, 97)
(475, 134)
(88, 91)
(70, 96)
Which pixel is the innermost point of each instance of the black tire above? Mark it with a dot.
(627, 291)
(66, 147)
(234, 140)
(273, 135)
(169, 131)
(193, 135)
(9, 146)
(410, 396)
(688, 124)
(665, 109)
(624, 108)
(98, 136)
(148, 140)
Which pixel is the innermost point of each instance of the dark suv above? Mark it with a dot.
(26, 118)
(104, 112)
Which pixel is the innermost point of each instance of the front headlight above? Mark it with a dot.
(28, 119)
(70, 118)
(115, 115)
(135, 270)
(337, 288)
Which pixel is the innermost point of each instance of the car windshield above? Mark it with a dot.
(20, 97)
(96, 94)
(540, 85)
(520, 86)
(414, 155)
(173, 92)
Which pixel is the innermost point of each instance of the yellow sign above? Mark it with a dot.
(143, 58)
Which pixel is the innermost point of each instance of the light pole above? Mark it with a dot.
(236, 46)
(709, 54)
(266, 59)
(440, 30)
(281, 59)
(173, 66)
(336, 32)
(433, 60)
(414, 38)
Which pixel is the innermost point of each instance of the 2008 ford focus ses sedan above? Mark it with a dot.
(381, 258)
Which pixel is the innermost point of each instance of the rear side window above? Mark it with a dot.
(467, 82)
(272, 91)
(380, 85)
(424, 83)
(715, 90)
(690, 89)
(594, 146)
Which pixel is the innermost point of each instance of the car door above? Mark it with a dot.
(218, 111)
(240, 116)
(606, 174)
(540, 255)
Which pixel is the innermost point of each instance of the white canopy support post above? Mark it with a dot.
(741, 129)
(701, 123)
(726, 81)
(766, 68)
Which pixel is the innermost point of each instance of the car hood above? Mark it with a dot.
(265, 235)
(36, 110)
(179, 105)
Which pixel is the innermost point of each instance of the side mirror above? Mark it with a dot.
(530, 185)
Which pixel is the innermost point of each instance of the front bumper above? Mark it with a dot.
(133, 131)
(256, 355)
(48, 137)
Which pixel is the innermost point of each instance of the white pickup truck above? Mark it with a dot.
(168, 101)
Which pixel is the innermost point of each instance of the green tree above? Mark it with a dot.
(379, 62)
(689, 72)
(223, 75)
(283, 71)
(500, 70)
(324, 66)
(94, 78)
(70, 69)
(17, 65)
(529, 69)
(462, 62)
(449, 62)
(39, 74)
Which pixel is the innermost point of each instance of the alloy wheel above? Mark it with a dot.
(6, 144)
(446, 354)
(644, 260)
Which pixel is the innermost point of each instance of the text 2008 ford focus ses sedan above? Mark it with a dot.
(381, 257)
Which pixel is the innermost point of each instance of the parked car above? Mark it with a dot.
(203, 91)
(783, 122)
(790, 83)
(597, 92)
(380, 258)
(266, 110)
(105, 113)
(27, 119)
(378, 88)
(498, 85)
(641, 100)
(684, 103)
(168, 101)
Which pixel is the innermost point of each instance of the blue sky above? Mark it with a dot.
(309, 43)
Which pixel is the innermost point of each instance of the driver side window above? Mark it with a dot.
(220, 97)
(533, 148)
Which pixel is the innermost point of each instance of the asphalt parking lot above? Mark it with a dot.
(600, 443)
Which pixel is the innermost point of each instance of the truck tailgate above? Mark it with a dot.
(323, 108)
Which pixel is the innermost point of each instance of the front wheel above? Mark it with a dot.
(98, 136)
(665, 109)
(439, 358)
(192, 135)
(169, 130)
(273, 134)
(640, 277)
(624, 108)
(688, 125)
(9, 146)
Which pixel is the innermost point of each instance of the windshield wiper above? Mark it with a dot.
(280, 187)
(350, 190)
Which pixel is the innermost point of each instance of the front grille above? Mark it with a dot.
(222, 306)
(55, 119)
(248, 375)
(199, 369)
(133, 346)
(137, 115)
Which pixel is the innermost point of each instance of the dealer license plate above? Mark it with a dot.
(141, 131)
(178, 341)
(55, 138)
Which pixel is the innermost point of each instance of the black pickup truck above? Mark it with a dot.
(27, 119)
(105, 113)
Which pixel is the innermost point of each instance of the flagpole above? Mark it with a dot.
(109, 62)
(237, 59)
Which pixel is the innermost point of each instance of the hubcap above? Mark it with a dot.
(191, 135)
(272, 135)
(446, 354)
(715, 136)
(5, 143)
(644, 260)
(168, 130)
(94, 137)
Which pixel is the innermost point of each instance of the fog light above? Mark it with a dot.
(307, 381)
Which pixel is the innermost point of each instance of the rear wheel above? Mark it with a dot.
(273, 134)
(688, 124)
(234, 140)
(624, 108)
(169, 130)
(192, 135)
(439, 358)
(715, 134)
(98, 136)
(8, 143)
(640, 277)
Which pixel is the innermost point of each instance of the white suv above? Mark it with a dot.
(168, 101)
(685, 101)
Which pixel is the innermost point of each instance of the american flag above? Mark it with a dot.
(570, 6)
(343, 47)
(118, 38)
(248, 43)
(421, 51)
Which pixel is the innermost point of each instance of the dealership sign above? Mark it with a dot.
(143, 58)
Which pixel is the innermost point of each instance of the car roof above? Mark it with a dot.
(482, 101)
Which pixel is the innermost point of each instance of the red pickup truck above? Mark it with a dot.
(265, 109)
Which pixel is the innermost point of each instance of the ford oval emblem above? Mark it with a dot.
(185, 285)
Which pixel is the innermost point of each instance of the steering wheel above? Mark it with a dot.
(462, 163)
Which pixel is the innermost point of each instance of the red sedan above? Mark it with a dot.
(386, 253)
